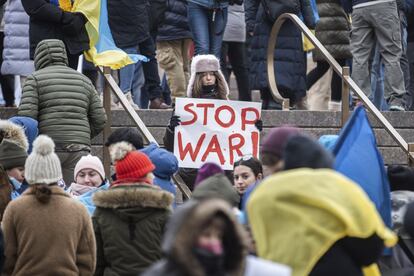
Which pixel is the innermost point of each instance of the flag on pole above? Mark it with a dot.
(103, 51)
(358, 158)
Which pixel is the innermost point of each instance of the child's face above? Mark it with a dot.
(243, 178)
(208, 78)
(17, 173)
(211, 237)
(89, 177)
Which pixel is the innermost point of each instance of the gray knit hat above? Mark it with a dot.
(43, 165)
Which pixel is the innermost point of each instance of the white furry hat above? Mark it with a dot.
(205, 63)
(14, 133)
(43, 165)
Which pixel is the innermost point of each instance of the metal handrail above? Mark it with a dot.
(110, 84)
(344, 74)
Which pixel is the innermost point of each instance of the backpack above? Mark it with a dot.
(275, 8)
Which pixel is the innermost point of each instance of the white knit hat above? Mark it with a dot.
(89, 162)
(43, 165)
(205, 63)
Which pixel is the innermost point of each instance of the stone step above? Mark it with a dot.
(315, 123)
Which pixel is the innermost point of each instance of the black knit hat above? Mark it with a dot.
(401, 178)
(127, 134)
(11, 155)
(304, 152)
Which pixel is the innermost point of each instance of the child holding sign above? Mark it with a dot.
(207, 82)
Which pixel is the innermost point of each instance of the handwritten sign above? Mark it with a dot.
(216, 131)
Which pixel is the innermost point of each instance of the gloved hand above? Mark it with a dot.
(174, 122)
(259, 124)
(72, 22)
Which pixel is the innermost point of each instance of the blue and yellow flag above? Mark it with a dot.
(357, 157)
(103, 51)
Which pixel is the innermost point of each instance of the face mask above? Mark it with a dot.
(212, 263)
(209, 92)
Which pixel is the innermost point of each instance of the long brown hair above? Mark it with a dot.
(42, 192)
(5, 191)
(198, 83)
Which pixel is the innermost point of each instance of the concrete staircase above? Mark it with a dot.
(316, 123)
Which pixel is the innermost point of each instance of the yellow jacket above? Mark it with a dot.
(297, 215)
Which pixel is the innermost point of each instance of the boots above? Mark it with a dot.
(157, 103)
(131, 101)
(113, 104)
(335, 106)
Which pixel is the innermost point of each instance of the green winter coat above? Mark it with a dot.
(333, 30)
(129, 223)
(62, 100)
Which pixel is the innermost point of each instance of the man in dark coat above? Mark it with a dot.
(289, 58)
(173, 44)
(130, 26)
(50, 21)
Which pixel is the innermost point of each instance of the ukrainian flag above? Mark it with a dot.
(103, 51)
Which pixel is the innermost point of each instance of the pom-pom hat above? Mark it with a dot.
(130, 164)
(43, 165)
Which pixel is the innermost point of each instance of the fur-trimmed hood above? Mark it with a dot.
(133, 195)
(186, 224)
(14, 132)
(206, 63)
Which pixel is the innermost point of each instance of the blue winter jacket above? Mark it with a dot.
(86, 198)
(166, 165)
(175, 24)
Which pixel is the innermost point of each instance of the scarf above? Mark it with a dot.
(76, 189)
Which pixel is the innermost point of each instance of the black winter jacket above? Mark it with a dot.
(129, 21)
(175, 25)
(46, 23)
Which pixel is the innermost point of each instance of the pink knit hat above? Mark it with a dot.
(89, 162)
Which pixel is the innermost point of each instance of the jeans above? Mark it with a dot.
(380, 24)
(410, 92)
(236, 53)
(207, 33)
(150, 68)
(377, 81)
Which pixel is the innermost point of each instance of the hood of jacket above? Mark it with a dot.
(30, 127)
(166, 164)
(14, 132)
(50, 52)
(134, 201)
(321, 203)
(217, 186)
(133, 195)
(186, 224)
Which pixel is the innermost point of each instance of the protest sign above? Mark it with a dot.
(215, 131)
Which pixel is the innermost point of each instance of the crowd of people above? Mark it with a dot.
(374, 38)
(288, 213)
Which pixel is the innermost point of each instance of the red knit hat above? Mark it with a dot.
(130, 163)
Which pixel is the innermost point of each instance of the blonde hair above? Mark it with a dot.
(198, 84)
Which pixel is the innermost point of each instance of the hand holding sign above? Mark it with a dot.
(215, 131)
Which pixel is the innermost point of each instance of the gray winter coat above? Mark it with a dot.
(236, 26)
(333, 30)
(16, 59)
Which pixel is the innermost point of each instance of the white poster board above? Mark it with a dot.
(215, 131)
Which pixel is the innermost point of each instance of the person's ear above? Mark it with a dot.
(259, 176)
